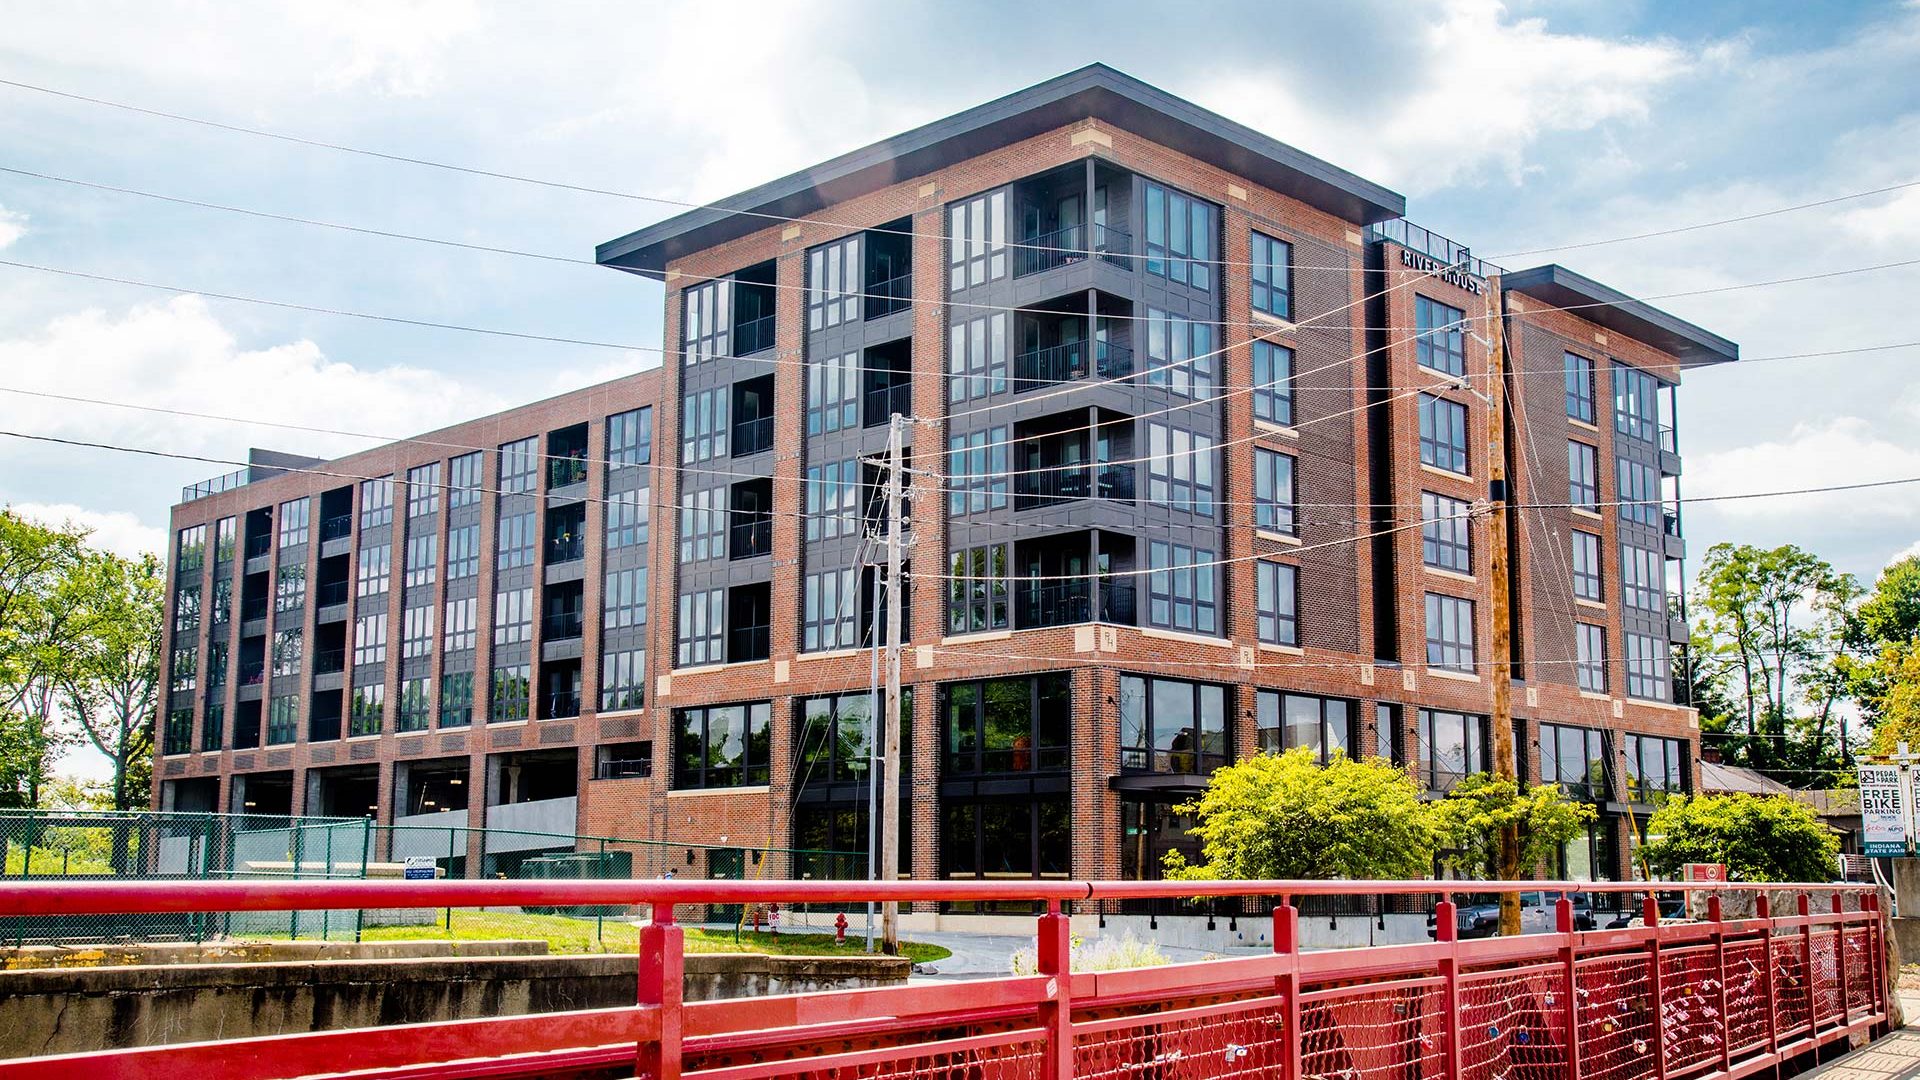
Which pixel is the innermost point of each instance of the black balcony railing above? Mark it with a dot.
(1048, 250)
(328, 593)
(1113, 482)
(1066, 603)
(623, 769)
(1068, 361)
(746, 643)
(562, 625)
(252, 672)
(328, 661)
(334, 528)
(1170, 760)
(323, 728)
(889, 296)
(1114, 245)
(1049, 484)
(566, 549)
(752, 336)
(566, 471)
(1670, 522)
(563, 704)
(883, 401)
(258, 546)
(750, 537)
(752, 436)
(255, 608)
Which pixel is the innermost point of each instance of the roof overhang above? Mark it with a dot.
(1093, 92)
(1616, 311)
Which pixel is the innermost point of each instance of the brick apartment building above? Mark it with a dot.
(1193, 422)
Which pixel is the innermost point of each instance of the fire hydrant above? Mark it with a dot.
(756, 919)
(840, 929)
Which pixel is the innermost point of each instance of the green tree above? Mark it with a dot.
(1478, 807)
(109, 684)
(38, 626)
(1758, 838)
(1287, 816)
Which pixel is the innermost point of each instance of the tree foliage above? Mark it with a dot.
(1758, 838)
(1287, 816)
(109, 685)
(1478, 807)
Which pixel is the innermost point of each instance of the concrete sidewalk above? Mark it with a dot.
(1896, 1057)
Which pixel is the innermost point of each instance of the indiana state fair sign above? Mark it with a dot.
(1883, 818)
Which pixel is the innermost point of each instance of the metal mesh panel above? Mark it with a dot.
(1746, 994)
(1690, 1006)
(1396, 1030)
(1792, 994)
(1513, 1019)
(1023, 1060)
(1826, 976)
(1233, 1041)
(1616, 1018)
(1860, 970)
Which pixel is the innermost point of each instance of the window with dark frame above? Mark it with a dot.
(1648, 662)
(1273, 494)
(1440, 343)
(1574, 758)
(1643, 580)
(1656, 768)
(1448, 747)
(1173, 726)
(1449, 633)
(1180, 468)
(828, 611)
(1579, 388)
(1272, 276)
(456, 699)
(1446, 533)
(834, 283)
(1287, 721)
(464, 480)
(704, 425)
(977, 240)
(630, 437)
(976, 471)
(1277, 603)
(977, 592)
(1181, 354)
(1590, 651)
(1179, 236)
(1443, 434)
(1273, 383)
(700, 634)
(720, 746)
(1639, 494)
(1020, 724)
(520, 466)
(1180, 588)
(1636, 403)
(376, 502)
(623, 680)
(706, 321)
(1587, 581)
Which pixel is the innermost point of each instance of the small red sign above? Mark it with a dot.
(1706, 871)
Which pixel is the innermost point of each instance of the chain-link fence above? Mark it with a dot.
(205, 846)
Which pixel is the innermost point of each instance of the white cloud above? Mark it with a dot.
(1489, 88)
(177, 355)
(13, 225)
(398, 49)
(115, 530)
(1842, 450)
(1910, 550)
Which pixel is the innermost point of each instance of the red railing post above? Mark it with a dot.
(1053, 949)
(1840, 959)
(1570, 959)
(1446, 931)
(1763, 907)
(1716, 914)
(1810, 978)
(1650, 914)
(1876, 952)
(1286, 942)
(662, 976)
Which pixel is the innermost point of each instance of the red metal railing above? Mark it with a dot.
(1718, 997)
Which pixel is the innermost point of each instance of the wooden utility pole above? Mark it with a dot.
(890, 715)
(1500, 663)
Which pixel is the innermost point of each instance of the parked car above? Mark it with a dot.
(1536, 916)
(1672, 909)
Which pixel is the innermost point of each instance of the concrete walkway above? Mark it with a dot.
(1896, 1057)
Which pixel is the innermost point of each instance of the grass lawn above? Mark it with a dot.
(568, 935)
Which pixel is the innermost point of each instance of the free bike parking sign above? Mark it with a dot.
(1884, 827)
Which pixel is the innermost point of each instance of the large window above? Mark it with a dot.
(512, 684)
(290, 588)
(703, 525)
(976, 357)
(1017, 725)
(700, 634)
(374, 571)
(462, 627)
(977, 590)
(1290, 721)
(836, 739)
(630, 437)
(722, 746)
(423, 560)
(368, 712)
(463, 487)
(1639, 492)
(288, 647)
(1272, 274)
(1636, 403)
(293, 522)
(1179, 237)
(416, 632)
(1583, 476)
(833, 393)
(623, 680)
(515, 541)
(416, 706)
(283, 720)
(833, 283)
(629, 517)
(456, 699)
(1590, 658)
(1579, 388)
(1446, 535)
(977, 471)
(1173, 726)
(1277, 602)
(832, 499)
(370, 639)
(977, 241)
(190, 553)
(706, 321)
(1643, 579)
(463, 552)
(1180, 469)
(828, 606)
(224, 534)
(1273, 496)
(376, 502)
(625, 598)
(1006, 838)
(1273, 383)
(1587, 581)
(520, 466)
(1449, 632)
(1180, 354)
(1443, 433)
(1180, 588)
(1572, 757)
(704, 425)
(1648, 661)
(1441, 344)
(1656, 768)
(1448, 746)
(513, 616)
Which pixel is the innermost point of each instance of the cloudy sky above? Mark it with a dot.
(1508, 127)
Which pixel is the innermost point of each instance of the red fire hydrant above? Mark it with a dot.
(756, 918)
(840, 929)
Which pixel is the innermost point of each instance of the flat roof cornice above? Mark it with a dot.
(1093, 92)
(1582, 296)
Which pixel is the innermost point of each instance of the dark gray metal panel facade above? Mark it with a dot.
(1555, 284)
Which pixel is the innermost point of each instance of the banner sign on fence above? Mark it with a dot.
(420, 868)
(1883, 818)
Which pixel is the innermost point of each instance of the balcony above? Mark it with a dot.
(253, 672)
(566, 472)
(562, 625)
(1069, 603)
(253, 608)
(329, 661)
(259, 546)
(747, 643)
(883, 298)
(752, 437)
(329, 593)
(566, 549)
(753, 335)
(623, 769)
(750, 538)
(1667, 440)
(563, 705)
(1069, 361)
(337, 527)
